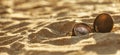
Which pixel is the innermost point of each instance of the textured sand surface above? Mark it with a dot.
(44, 27)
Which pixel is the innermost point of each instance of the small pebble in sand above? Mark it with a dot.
(103, 23)
(81, 29)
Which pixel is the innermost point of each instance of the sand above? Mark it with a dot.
(44, 27)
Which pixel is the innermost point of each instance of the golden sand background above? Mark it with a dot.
(43, 27)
